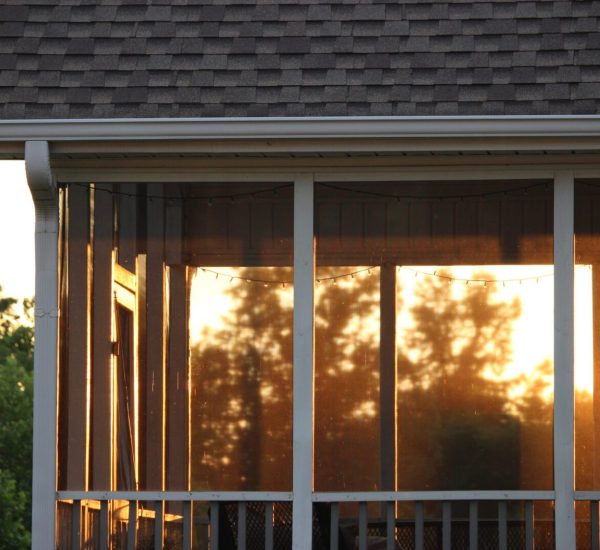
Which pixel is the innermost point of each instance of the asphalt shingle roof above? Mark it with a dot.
(174, 58)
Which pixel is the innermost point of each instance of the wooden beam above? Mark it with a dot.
(155, 340)
(102, 300)
(77, 337)
(177, 377)
(387, 376)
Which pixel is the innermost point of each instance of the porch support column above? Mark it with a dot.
(564, 406)
(304, 280)
(45, 370)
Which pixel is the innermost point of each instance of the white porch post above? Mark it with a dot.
(564, 407)
(304, 277)
(42, 188)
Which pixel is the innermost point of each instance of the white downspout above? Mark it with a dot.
(43, 190)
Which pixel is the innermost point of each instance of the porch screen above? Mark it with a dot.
(238, 238)
(434, 329)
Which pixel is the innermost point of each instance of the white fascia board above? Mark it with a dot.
(299, 128)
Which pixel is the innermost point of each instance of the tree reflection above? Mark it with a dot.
(462, 424)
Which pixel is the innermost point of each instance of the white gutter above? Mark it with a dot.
(299, 128)
(45, 369)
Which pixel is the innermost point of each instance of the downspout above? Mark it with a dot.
(45, 369)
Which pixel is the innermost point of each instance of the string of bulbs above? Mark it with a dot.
(274, 191)
(368, 270)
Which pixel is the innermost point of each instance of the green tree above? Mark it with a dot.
(16, 423)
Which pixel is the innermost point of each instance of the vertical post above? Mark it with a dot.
(304, 280)
(102, 299)
(155, 340)
(45, 371)
(564, 409)
(387, 377)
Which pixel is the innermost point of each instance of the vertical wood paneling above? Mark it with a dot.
(328, 225)
(375, 229)
(262, 225)
(351, 227)
(155, 341)
(177, 394)
(127, 225)
(102, 303)
(77, 348)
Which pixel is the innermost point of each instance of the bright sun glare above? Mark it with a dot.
(533, 331)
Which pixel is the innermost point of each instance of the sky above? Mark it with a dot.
(17, 264)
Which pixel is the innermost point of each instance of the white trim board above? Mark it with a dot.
(298, 127)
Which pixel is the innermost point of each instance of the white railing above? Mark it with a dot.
(389, 501)
(107, 502)
(164, 510)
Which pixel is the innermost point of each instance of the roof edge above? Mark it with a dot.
(145, 129)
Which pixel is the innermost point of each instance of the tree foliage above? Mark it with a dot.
(16, 420)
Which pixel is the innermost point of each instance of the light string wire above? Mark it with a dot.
(439, 274)
(231, 197)
(523, 189)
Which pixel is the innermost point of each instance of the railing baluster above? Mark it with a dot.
(390, 510)
(132, 527)
(446, 525)
(214, 526)
(159, 524)
(241, 545)
(502, 525)
(334, 526)
(419, 526)
(76, 526)
(187, 525)
(473, 525)
(104, 525)
(529, 525)
(362, 526)
(594, 522)
(268, 526)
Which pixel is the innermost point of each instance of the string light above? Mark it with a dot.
(368, 271)
(209, 199)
